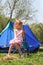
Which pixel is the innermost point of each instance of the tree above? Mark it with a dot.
(38, 31)
(20, 9)
(1, 8)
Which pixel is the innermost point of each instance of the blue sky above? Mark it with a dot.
(38, 5)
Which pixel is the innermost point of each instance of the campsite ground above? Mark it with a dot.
(31, 59)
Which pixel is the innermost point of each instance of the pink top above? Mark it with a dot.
(18, 34)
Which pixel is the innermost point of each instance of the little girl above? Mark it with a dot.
(18, 38)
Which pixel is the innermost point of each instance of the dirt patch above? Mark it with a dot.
(8, 58)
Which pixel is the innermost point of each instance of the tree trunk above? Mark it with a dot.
(12, 10)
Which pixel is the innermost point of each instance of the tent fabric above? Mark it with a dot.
(32, 41)
(4, 29)
(8, 34)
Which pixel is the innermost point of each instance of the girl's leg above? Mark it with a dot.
(10, 49)
(18, 48)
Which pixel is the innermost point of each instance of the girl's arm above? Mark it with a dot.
(22, 32)
(19, 33)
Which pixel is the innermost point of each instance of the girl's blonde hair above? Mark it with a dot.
(18, 21)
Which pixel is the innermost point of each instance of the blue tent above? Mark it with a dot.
(31, 42)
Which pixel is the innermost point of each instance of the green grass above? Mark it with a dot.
(31, 59)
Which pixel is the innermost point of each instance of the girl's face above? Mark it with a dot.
(18, 24)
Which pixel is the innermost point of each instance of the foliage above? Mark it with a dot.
(38, 31)
(4, 21)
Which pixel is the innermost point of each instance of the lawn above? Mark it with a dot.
(31, 59)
